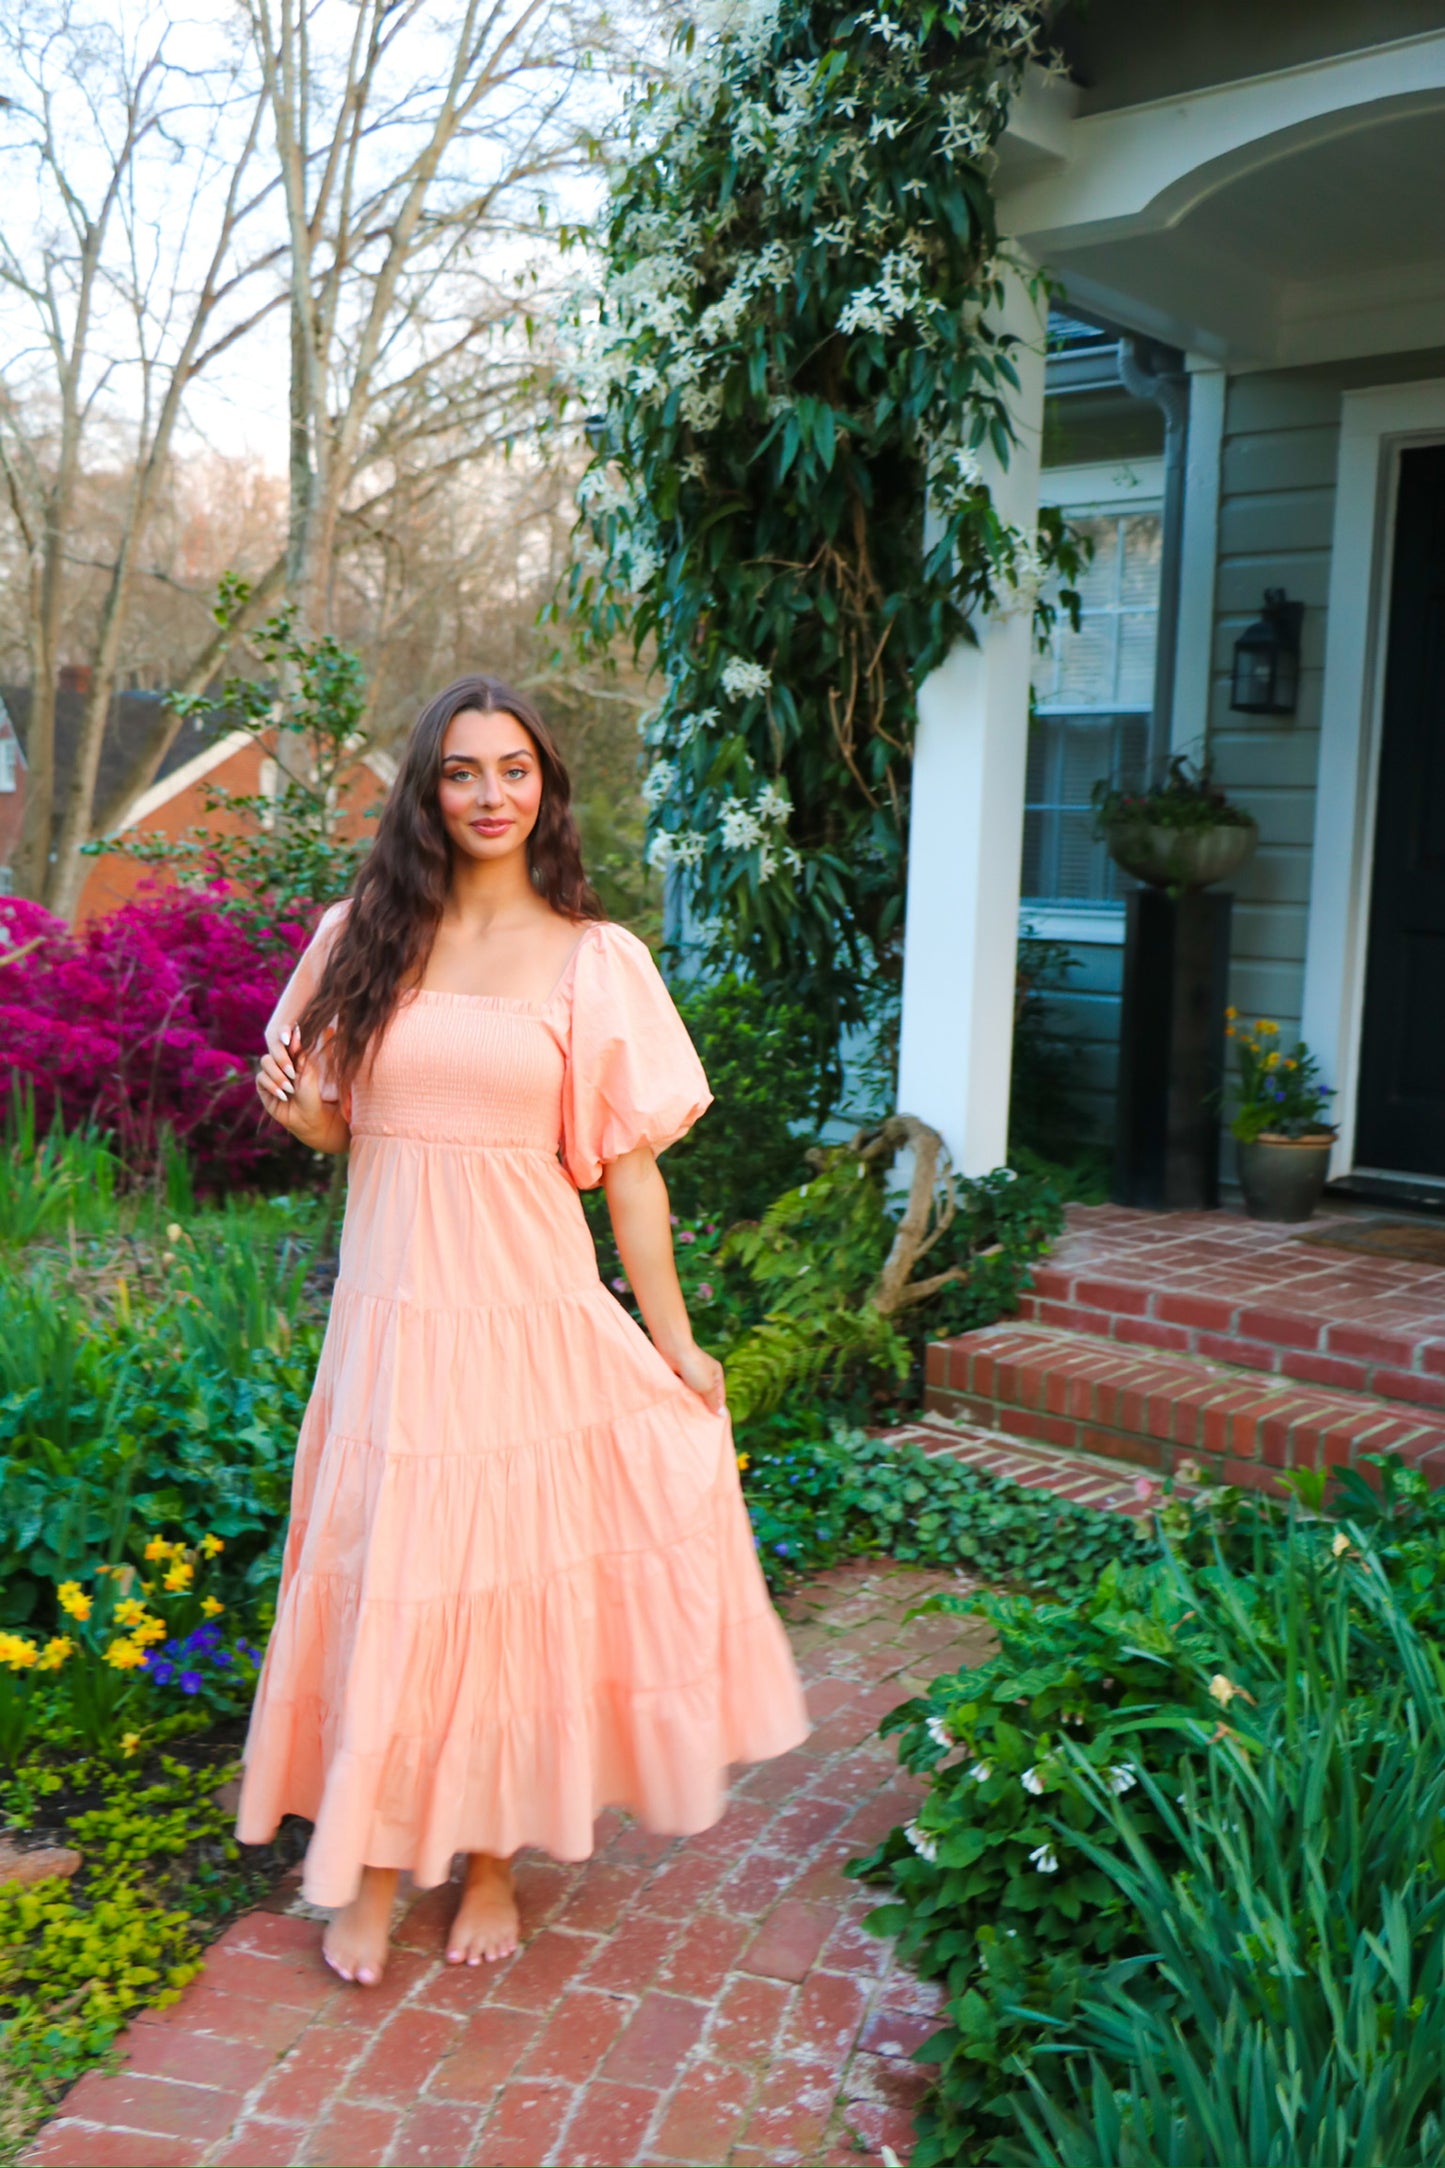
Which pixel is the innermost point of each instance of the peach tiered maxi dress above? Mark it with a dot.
(519, 1581)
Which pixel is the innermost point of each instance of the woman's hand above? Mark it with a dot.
(704, 1373)
(289, 1087)
(276, 1077)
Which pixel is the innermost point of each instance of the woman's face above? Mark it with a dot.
(490, 791)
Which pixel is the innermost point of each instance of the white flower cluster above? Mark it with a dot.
(742, 679)
(967, 132)
(772, 804)
(939, 1733)
(675, 847)
(897, 293)
(1044, 1857)
(925, 1846)
(739, 827)
(658, 782)
(1032, 1781)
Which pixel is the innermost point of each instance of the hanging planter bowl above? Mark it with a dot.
(1180, 858)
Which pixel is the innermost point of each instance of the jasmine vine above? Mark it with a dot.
(789, 363)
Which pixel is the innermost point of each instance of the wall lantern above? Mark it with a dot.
(1266, 659)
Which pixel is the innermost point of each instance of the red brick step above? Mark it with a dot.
(1156, 1409)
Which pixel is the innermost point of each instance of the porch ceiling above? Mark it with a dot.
(1289, 219)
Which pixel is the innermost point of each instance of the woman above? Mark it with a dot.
(519, 1580)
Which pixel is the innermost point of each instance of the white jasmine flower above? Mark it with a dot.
(772, 804)
(1043, 1857)
(659, 853)
(689, 726)
(981, 1772)
(767, 863)
(741, 679)
(688, 847)
(659, 780)
(924, 1845)
(793, 860)
(939, 1733)
(1032, 1782)
(739, 828)
(1122, 1778)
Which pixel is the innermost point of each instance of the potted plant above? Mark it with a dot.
(1180, 834)
(1279, 1124)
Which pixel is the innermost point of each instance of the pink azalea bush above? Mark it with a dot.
(148, 1020)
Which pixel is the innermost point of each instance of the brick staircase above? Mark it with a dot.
(1160, 1339)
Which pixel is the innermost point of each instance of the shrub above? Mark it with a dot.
(770, 1086)
(1291, 2005)
(1199, 1751)
(145, 1025)
(161, 1388)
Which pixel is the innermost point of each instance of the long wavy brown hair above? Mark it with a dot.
(386, 936)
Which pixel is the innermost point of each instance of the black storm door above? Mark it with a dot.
(1401, 1124)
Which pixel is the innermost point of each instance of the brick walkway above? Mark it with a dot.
(708, 2001)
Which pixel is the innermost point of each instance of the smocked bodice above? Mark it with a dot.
(467, 1069)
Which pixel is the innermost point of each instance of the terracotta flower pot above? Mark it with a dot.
(1283, 1178)
(1180, 858)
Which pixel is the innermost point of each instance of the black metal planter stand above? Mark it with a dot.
(1171, 1050)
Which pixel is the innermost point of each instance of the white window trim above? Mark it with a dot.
(1375, 426)
(1105, 488)
(1097, 925)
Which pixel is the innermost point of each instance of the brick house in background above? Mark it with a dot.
(203, 755)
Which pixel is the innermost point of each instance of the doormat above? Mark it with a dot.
(1419, 1240)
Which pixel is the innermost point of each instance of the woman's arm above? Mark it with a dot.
(637, 1201)
(290, 1091)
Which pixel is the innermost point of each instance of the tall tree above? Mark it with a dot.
(425, 154)
(130, 296)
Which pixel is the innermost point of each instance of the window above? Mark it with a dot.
(1093, 696)
(8, 764)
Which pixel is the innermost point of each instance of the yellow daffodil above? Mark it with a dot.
(1291, 1064)
(211, 1608)
(1231, 1015)
(157, 1549)
(123, 1655)
(16, 1653)
(1271, 1061)
(212, 1546)
(73, 1600)
(130, 1612)
(129, 1741)
(148, 1631)
(56, 1650)
(146, 1587)
(180, 1576)
(1266, 1028)
(742, 1463)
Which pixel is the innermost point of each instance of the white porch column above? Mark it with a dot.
(965, 834)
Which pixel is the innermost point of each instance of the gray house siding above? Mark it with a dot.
(1276, 509)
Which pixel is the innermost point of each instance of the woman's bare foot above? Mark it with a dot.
(356, 1937)
(486, 1925)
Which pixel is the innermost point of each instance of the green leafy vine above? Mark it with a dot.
(798, 381)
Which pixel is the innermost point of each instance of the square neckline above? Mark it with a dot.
(517, 1001)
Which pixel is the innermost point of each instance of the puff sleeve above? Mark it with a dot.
(302, 985)
(633, 1076)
